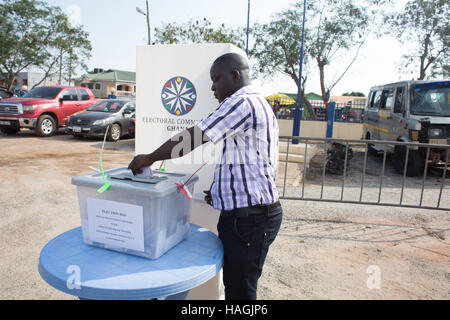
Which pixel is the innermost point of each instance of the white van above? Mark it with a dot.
(409, 111)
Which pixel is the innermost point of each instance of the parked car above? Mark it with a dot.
(94, 120)
(409, 111)
(132, 126)
(43, 109)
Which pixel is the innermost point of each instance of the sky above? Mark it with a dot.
(116, 28)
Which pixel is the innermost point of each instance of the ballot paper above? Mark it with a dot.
(146, 173)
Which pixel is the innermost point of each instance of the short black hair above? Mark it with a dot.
(232, 61)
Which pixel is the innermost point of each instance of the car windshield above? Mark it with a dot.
(431, 99)
(107, 106)
(43, 92)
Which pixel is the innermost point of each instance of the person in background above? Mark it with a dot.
(23, 91)
(244, 185)
(112, 95)
(276, 108)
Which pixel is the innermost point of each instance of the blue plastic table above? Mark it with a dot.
(71, 266)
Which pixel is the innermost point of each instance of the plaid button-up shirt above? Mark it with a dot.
(246, 173)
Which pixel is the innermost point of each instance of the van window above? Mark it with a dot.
(375, 100)
(431, 99)
(399, 106)
(387, 99)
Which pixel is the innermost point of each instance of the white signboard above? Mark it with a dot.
(116, 223)
(174, 93)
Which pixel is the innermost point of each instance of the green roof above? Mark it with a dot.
(112, 75)
(309, 96)
(313, 96)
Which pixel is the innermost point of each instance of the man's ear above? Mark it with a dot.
(236, 76)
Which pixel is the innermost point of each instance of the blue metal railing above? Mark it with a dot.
(343, 112)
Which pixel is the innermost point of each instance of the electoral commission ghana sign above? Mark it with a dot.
(178, 96)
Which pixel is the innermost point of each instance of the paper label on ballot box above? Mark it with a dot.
(116, 223)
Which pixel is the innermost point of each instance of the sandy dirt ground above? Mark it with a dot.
(323, 251)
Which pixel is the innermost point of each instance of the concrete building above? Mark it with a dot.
(30, 79)
(102, 82)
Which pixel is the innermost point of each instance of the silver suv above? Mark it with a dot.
(409, 111)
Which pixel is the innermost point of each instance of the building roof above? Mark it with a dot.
(309, 96)
(112, 75)
(313, 96)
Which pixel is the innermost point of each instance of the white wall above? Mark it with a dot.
(318, 129)
(157, 64)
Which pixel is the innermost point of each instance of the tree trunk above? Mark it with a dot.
(60, 67)
(10, 81)
(70, 69)
(47, 73)
(321, 66)
(308, 105)
(422, 71)
(423, 57)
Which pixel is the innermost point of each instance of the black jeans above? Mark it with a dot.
(246, 235)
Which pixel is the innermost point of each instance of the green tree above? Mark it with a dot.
(334, 29)
(74, 50)
(276, 49)
(424, 26)
(199, 31)
(36, 35)
(276, 45)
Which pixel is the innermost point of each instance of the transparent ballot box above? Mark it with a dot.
(140, 216)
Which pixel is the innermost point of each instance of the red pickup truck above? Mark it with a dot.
(43, 109)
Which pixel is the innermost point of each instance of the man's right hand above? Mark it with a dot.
(208, 197)
(139, 162)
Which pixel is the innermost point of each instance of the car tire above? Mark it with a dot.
(416, 163)
(115, 132)
(46, 126)
(9, 131)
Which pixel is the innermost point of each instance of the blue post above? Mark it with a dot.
(298, 113)
(330, 119)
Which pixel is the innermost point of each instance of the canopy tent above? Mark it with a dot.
(283, 99)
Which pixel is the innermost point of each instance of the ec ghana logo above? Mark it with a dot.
(178, 96)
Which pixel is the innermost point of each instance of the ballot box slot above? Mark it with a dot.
(153, 180)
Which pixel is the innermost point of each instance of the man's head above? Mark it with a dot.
(229, 73)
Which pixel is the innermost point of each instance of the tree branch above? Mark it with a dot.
(351, 63)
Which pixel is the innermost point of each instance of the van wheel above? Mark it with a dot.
(370, 149)
(416, 163)
(115, 132)
(46, 126)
